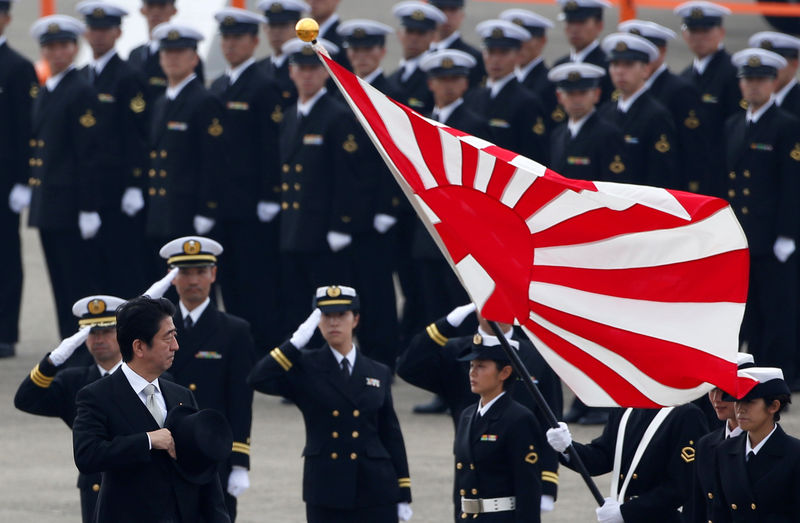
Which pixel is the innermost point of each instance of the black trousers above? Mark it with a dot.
(770, 318)
(249, 276)
(11, 282)
(378, 328)
(69, 264)
(118, 264)
(402, 238)
(88, 503)
(381, 514)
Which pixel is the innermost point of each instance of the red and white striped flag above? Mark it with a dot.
(633, 295)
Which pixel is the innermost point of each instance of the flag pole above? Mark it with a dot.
(522, 372)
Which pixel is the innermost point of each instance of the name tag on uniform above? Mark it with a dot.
(631, 139)
(578, 160)
(177, 126)
(313, 139)
(709, 98)
(761, 146)
(489, 437)
(106, 98)
(373, 382)
(208, 355)
(238, 106)
(156, 80)
(497, 122)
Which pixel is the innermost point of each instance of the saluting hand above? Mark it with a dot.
(161, 439)
(68, 345)
(303, 334)
(160, 287)
(457, 316)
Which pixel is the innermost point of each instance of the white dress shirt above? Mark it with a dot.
(138, 384)
(98, 64)
(194, 313)
(580, 56)
(351, 358)
(442, 114)
(482, 410)
(575, 127)
(748, 447)
(524, 71)
(173, 92)
(303, 108)
(732, 433)
(497, 85)
(753, 116)
(237, 71)
(52, 82)
(625, 105)
(104, 372)
(409, 66)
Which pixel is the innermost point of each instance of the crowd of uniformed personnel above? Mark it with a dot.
(117, 159)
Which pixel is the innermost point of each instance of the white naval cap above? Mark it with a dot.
(191, 251)
(699, 13)
(447, 62)
(502, 33)
(171, 35)
(418, 15)
(300, 52)
(626, 46)
(577, 10)
(282, 11)
(360, 32)
(57, 27)
(336, 298)
(755, 62)
(656, 33)
(745, 360)
(97, 311)
(233, 20)
(101, 14)
(781, 43)
(573, 76)
(534, 23)
(770, 383)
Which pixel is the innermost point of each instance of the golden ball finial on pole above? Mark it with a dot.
(307, 29)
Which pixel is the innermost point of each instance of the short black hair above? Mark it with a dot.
(784, 400)
(512, 378)
(139, 319)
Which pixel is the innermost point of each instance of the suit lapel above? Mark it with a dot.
(128, 401)
(738, 464)
(333, 373)
(236, 89)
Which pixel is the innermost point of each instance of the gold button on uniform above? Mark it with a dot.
(41, 143)
(472, 466)
(731, 193)
(746, 191)
(96, 487)
(162, 192)
(285, 205)
(462, 492)
(32, 143)
(151, 191)
(463, 515)
(285, 168)
(192, 387)
(151, 173)
(459, 465)
(163, 153)
(296, 186)
(752, 506)
(334, 455)
(745, 210)
(335, 413)
(295, 205)
(153, 154)
(298, 168)
(353, 455)
(710, 495)
(474, 491)
(733, 506)
(162, 173)
(285, 186)
(732, 175)
(635, 476)
(746, 173)
(355, 434)
(356, 413)
(335, 434)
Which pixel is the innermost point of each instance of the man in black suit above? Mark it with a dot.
(650, 485)
(762, 156)
(531, 70)
(64, 175)
(281, 15)
(714, 76)
(355, 458)
(187, 158)
(787, 90)
(122, 120)
(646, 126)
(516, 118)
(681, 98)
(250, 191)
(448, 36)
(145, 57)
(583, 24)
(216, 353)
(432, 362)
(585, 147)
(319, 171)
(758, 472)
(51, 387)
(117, 428)
(379, 193)
(18, 88)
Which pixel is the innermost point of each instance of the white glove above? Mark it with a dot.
(19, 197)
(267, 211)
(559, 438)
(383, 222)
(68, 346)
(547, 504)
(202, 224)
(338, 240)
(132, 201)
(609, 512)
(238, 481)
(158, 289)
(783, 248)
(404, 511)
(89, 223)
(303, 334)
(457, 316)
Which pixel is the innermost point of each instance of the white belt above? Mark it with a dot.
(480, 505)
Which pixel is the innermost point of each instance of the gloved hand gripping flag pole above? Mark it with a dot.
(633, 295)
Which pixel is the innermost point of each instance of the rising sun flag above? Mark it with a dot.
(634, 295)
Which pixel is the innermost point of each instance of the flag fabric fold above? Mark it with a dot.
(634, 295)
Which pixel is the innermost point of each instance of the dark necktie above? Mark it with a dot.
(227, 81)
(345, 369)
(188, 322)
(750, 464)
